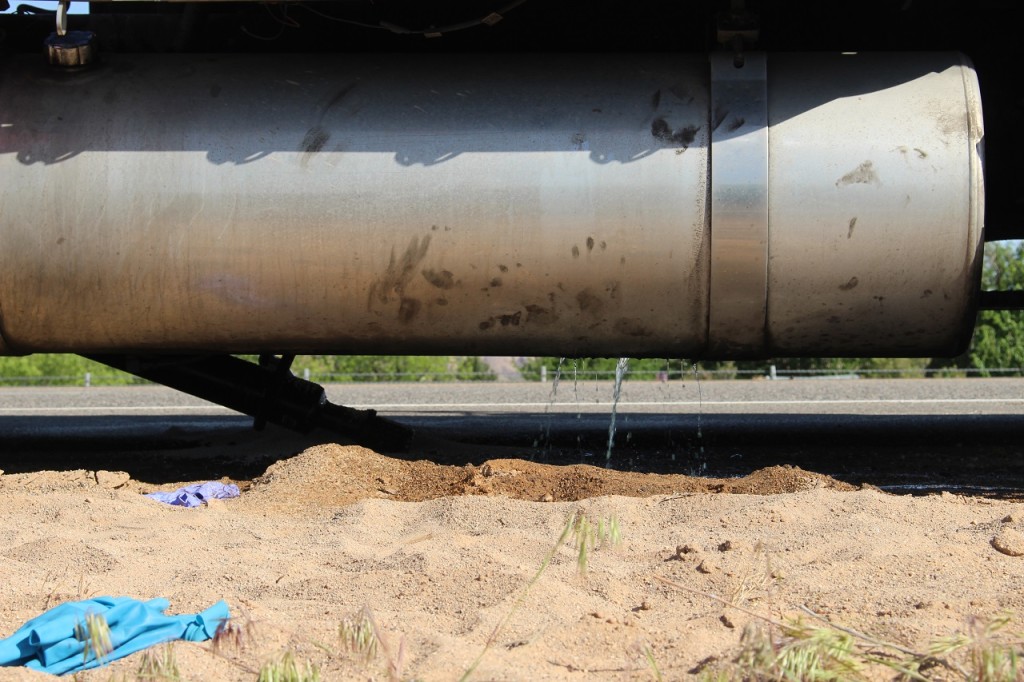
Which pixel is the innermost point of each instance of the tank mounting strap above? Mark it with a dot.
(739, 205)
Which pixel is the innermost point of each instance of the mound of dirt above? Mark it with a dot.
(337, 475)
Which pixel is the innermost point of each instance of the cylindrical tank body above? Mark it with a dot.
(500, 205)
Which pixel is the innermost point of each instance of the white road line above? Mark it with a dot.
(695, 403)
(112, 409)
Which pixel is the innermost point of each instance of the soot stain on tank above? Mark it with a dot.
(656, 99)
(589, 302)
(400, 271)
(863, 174)
(537, 314)
(314, 141)
(443, 279)
(852, 283)
(736, 124)
(509, 320)
(632, 326)
(683, 137)
(513, 319)
(408, 309)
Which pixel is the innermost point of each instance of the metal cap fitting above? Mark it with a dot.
(73, 49)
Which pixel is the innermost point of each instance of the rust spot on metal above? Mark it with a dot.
(503, 268)
(486, 324)
(496, 282)
(590, 243)
(926, 293)
(849, 285)
(575, 251)
(853, 224)
(441, 301)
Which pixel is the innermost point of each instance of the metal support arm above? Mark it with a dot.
(266, 391)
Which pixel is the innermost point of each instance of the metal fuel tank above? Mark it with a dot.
(577, 205)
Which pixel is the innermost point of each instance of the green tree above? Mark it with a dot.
(999, 334)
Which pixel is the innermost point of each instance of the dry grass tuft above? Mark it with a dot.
(95, 633)
(288, 669)
(160, 665)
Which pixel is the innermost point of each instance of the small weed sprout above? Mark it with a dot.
(288, 669)
(588, 536)
(95, 634)
(358, 636)
(652, 664)
(161, 666)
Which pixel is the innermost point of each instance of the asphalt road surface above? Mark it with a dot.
(904, 435)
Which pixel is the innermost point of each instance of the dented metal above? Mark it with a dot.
(498, 205)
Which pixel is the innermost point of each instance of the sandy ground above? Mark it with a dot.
(444, 555)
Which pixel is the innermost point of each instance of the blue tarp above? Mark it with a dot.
(49, 643)
(198, 494)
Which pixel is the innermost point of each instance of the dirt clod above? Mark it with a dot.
(112, 479)
(1009, 541)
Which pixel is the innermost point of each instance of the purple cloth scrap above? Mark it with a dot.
(197, 495)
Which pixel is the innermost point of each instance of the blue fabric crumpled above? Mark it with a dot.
(197, 495)
(48, 643)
